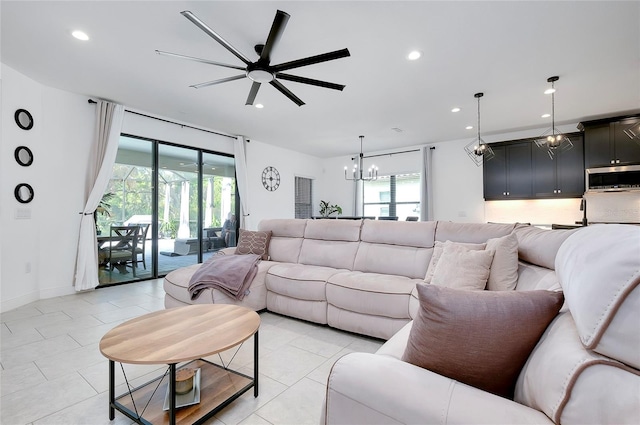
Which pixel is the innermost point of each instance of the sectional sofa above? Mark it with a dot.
(361, 276)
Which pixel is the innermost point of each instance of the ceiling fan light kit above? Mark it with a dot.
(261, 71)
(553, 140)
(477, 149)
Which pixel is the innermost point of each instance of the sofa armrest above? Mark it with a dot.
(374, 389)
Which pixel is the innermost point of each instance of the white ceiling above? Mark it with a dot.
(505, 49)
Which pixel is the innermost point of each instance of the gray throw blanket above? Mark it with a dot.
(231, 274)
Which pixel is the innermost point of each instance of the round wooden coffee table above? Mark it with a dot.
(176, 335)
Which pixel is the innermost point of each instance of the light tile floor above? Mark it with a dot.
(52, 371)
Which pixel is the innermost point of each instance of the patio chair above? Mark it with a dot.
(141, 243)
(121, 249)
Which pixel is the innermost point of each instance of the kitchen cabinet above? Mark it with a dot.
(606, 143)
(560, 177)
(509, 174)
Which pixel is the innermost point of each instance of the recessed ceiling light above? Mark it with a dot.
(456, 109)
(415, 54)
(469, 127)
(545, 115)
(80, 35)
(549, 91)
(259, 105)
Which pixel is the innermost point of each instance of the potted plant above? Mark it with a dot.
(104, 208)
(326, 209)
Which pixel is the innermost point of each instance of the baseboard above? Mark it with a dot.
(7, 305)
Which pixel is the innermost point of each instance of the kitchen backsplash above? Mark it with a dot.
(534, 211)
(613, 207)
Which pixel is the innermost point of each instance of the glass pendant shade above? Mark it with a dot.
(477, 149)
(553, 140)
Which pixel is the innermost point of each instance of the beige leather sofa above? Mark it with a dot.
(360, 276)
(584, 369)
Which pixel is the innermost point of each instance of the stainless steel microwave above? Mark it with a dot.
(613, 179)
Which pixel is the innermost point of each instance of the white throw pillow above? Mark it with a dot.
(462, 268)
(437, 253)
(504, 268)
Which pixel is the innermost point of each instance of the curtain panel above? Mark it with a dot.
(109, 118)
(239, 148)
(426, 185)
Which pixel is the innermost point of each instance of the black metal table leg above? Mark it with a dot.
(172, 394)
(255, 364)
(112, 389)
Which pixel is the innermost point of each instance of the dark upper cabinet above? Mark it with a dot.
(509, 174)
(606, 143)
(560, 177)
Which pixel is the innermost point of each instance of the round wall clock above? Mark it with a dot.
(270, 178)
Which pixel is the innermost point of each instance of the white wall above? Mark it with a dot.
(281, 202)
(38, 254)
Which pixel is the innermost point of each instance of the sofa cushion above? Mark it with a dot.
(599, 269)
(504, 268)
(574, 385)
(437, 253)
(299, 281)
(286, 238)
(405, 233)
(481, 338)
(252, 242)
(371, 293)
(470, 232)
(333, 230)
(336, 254)
(462, 268)
(540, 246)
(389, 259)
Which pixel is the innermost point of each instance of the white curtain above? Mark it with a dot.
(107, 133)
(426, 185)
(208, 210)
(241, 182)
(183, 230)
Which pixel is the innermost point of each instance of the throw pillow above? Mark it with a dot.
(254, 243)
(437, 253)
(504, 268)
(480, 338)
(462, 268)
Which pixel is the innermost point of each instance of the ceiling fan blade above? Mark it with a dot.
(282, 89)
(312, 60)
(252, 93)
(313, 82)
(207, 61)
(211, 33)
(214, 82)
(277, 28)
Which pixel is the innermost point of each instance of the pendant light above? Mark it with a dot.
(553, 140)
(478, 150)
(357, 173)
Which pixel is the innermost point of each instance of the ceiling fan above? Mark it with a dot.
(261, 71)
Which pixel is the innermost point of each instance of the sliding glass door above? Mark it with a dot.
(182, 199)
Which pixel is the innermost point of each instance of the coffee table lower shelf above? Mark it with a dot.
(218, 388)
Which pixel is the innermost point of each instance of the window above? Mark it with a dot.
(393, 196)
(304, 197)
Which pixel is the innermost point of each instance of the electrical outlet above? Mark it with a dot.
(27, 267)
(462, 213)
(23, 213)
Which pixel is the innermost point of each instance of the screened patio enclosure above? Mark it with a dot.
(183, 195)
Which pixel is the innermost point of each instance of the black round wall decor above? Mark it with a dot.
(270, 178)
(24, 119)
(23, 193)
(23, 156)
